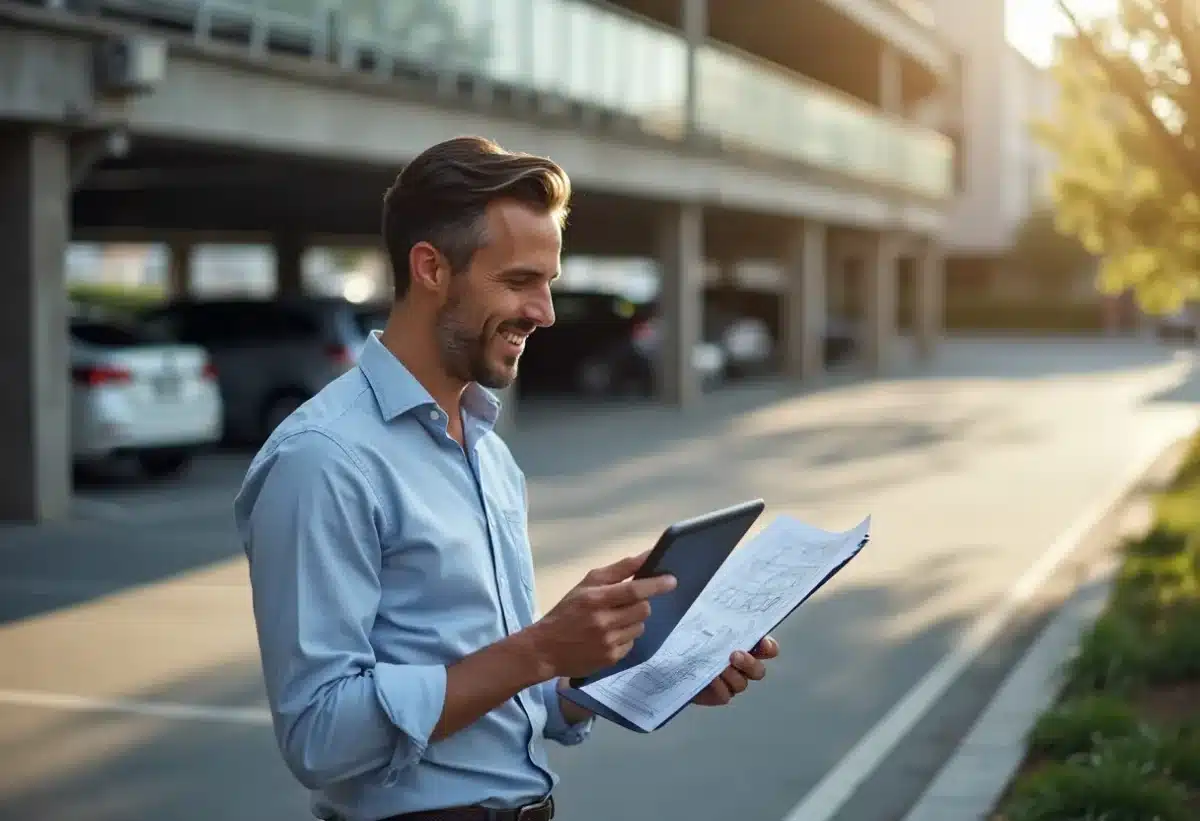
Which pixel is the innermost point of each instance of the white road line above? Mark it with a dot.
(840, 783)
(248, 716)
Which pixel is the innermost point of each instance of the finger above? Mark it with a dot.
(617, 571)
(748, 665)
(768, 648)
(632, 591)
(734, 680)
(627, 635)
(719, 691)
(621, 617)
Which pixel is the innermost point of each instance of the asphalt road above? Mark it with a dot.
(130, 690)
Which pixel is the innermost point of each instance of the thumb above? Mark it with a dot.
(617, 571)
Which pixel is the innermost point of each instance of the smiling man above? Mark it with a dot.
(408, 673)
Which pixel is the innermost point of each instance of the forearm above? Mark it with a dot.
(486, 679)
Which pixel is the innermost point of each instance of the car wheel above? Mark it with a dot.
(159, 464)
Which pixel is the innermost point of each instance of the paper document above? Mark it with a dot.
(754, 590)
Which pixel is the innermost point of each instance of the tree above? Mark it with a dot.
(1052, 258)
(1128, 178)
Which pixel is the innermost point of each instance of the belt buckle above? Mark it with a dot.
(541, 811)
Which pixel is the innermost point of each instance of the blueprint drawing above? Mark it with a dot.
(756, 588)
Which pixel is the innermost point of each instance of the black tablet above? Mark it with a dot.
(691, 550)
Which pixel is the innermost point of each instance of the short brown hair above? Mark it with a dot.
(441, 196)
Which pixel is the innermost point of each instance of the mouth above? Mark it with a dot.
(513, 339)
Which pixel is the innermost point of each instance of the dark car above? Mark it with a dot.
(600, 344)
(270, 355)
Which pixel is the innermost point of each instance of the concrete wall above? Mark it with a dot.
(1006, 171)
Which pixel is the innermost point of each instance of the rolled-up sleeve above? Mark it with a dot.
(557, 728)
(310, 522)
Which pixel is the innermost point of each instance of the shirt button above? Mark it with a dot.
(434, 415)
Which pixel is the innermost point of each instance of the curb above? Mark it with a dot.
(973, 779)
(980, 769)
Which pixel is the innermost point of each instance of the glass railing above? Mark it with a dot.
(586, 52)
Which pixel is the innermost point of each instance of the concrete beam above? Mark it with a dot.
(247, 105)
(35, 421)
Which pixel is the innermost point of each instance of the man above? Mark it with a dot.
(408, 673)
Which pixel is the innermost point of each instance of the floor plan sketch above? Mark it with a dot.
(769, 578)
(763, 582)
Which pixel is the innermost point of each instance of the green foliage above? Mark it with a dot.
(1079, 726)
(1047, 254)
(1128, 178)
(1103, 788)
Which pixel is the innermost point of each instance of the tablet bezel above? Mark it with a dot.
(748, 512)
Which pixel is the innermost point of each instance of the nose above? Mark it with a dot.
(540, 309)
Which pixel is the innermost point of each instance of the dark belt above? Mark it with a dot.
(541, 811)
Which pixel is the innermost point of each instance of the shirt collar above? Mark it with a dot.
(397, 391)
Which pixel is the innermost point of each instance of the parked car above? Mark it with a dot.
(745, 341)
(136, 394)
(603, 344)
(1181, 326)
(271, 355)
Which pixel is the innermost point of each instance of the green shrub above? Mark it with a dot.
(1175, 755)
(1112, 656)
(1097, 789)
(1081, 725)
(1175, 651)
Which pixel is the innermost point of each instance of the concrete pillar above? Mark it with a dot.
(805, 302)
(289, 265)
(694, 24)
(681, 260)
(179, 269)
(929, 315)
(891, 81)
(35, 427)
(881, 256)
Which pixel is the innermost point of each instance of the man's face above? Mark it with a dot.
(504, 295)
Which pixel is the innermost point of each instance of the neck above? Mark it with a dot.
(411, 341)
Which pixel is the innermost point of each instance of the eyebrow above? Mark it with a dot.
(534, 272)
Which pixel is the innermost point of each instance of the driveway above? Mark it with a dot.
(131, 689)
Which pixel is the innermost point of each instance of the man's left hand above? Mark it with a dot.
(743, 668)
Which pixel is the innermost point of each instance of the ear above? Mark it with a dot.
(429, 269)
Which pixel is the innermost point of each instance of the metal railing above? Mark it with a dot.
(598, 59)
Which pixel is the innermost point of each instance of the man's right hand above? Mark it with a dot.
(597, 622)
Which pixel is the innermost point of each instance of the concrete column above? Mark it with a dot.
(891, 81)
(929, 315)
(179, 269)
(805, 302)
(289, 259)
(681, 260)
(881, 253)
(35, 426)
(694, 24)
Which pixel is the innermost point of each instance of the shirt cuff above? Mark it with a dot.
(557, 728)
(412, 696)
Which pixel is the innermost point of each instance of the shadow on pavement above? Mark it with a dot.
(87, 766)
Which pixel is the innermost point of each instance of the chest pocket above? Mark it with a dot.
(512, 531)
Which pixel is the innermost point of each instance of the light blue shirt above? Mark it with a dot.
(381, 552)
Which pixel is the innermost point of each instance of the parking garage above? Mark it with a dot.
(225, 148)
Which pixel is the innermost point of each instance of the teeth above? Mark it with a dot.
(513, 338)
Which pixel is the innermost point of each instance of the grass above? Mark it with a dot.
(1123, 741)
